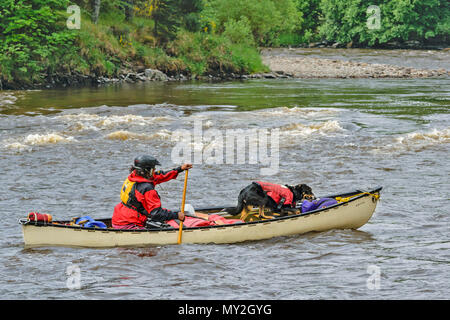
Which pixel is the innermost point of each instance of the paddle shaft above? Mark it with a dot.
(180, 232)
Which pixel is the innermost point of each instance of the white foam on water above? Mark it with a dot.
(37, 140)
(416, 141)
(323, 128)
(128, 135)
(299, 112)
(87, 121)
(7, 98)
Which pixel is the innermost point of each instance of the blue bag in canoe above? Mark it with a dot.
(88, 222)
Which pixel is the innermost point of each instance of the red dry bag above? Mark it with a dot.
(40, 217)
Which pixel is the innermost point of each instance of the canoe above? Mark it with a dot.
(352, 211)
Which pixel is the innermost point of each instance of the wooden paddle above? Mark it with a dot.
(182, 206)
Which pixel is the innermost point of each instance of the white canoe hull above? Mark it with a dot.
(348, 215)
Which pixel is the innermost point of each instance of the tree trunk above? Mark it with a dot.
(129, 8)
(96, 11)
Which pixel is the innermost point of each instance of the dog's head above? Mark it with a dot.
(303, 192)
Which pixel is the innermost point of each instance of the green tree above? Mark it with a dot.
(34, 39)
(267, 18)
(312, 18)
(170, 15)
(165, 15)
(401, 20)
(239, 31)
(129, 9)
(190, 14)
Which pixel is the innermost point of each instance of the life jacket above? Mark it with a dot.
(140, 200)
(278, 192)
(128, 197)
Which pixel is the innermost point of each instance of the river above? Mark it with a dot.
(66, 152)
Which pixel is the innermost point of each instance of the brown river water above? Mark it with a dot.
(66, 152)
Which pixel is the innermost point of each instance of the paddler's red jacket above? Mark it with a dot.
(278, 192)
(147, 199)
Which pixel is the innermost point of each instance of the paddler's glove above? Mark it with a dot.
(185, 166)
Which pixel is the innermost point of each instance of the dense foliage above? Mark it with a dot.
(195, 37)
(293, 22)
(400, 20)
(267, 19)
(31, 34)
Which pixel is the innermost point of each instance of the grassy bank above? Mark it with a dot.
(195, 37)
(38, 49)
(115, 44)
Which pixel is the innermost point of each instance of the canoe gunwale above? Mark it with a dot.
(24, 221)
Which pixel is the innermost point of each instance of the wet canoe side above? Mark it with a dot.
(349, 215)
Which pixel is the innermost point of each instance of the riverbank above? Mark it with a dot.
(116, 50)
(284, 63)
(349, 63)
(312, 63)
(134, 76)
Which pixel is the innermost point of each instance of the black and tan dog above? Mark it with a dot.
(269, 195)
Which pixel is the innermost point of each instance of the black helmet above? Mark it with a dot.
(145, 162)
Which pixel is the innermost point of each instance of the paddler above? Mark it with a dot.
(139, 199)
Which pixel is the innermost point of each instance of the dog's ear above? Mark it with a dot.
(304, 188)
(296, 191)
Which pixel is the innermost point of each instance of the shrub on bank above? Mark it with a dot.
(266, 19)
(205, 53)
(37, 47)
